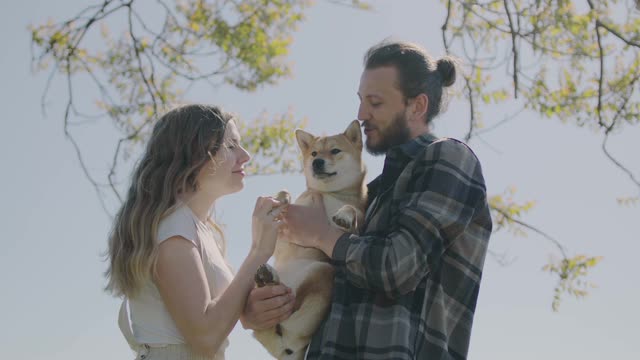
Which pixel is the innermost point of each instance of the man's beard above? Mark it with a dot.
(396, 133)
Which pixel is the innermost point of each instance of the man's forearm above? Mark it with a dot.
(328, 242)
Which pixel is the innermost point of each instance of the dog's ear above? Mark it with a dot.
(354, 134)
(304, 140)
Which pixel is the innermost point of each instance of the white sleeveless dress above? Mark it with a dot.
(145, 321)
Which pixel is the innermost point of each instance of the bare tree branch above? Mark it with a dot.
(513, 49)
(68, 135)
(555, 242)
(472, 111)
(618, 163)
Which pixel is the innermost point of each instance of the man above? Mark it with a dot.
(406, 287)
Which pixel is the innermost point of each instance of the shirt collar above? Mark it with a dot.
(413, 147)
(396, 159)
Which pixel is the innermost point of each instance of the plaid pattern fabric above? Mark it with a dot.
(406, 287)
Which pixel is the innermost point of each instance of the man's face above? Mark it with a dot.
(382, 110)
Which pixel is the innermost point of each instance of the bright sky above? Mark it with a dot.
(54, 229)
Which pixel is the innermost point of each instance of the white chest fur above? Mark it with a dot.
(331, 202)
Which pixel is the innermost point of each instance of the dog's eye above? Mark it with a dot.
(314, 153)
(335, 151)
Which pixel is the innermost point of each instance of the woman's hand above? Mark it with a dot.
(265, 224)
(267, 306)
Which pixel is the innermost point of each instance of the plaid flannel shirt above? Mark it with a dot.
(406, 287)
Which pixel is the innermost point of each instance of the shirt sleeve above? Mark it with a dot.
(444, 192)
(178, 223)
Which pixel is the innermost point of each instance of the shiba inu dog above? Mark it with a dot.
(333, 167)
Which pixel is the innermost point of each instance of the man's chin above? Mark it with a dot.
(373, 148)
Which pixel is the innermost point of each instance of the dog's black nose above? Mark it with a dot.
(318, 164)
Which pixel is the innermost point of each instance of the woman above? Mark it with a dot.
(166, 254)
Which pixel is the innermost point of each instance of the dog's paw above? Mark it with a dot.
(284, 197)
(346, 218)
(266, 275)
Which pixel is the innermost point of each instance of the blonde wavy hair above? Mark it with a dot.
(182, 142)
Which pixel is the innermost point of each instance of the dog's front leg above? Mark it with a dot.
(284, 197)
(347, 218)
(270, 338)
(266, 275)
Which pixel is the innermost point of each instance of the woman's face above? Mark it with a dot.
(224, 174)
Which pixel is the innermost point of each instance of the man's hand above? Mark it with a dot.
(267, 306)
(308, 226)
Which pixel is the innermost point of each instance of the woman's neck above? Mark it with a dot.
(199, 204)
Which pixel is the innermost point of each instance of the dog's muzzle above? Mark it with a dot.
(318, 165)
(319, 171)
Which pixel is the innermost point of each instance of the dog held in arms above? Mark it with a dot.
(333, 168)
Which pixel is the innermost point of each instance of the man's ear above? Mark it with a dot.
(304, 140)
(354, 134)
(420, 106)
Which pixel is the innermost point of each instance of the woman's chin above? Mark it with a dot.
(236, 187)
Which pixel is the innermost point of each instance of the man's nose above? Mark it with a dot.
(318, 164)
(363, 114)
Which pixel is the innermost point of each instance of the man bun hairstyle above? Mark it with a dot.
(447, 69)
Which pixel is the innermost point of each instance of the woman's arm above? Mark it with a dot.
(181, 280)
(183, 286)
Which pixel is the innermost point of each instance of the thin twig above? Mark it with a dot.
(616, 162)
(513, 49)
(76, 147)
(534, 229)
